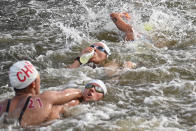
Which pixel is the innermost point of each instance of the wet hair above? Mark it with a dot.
(20, 90)
(24, 89)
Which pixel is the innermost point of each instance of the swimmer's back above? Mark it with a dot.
(28, 110)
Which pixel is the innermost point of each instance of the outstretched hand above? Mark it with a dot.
(125, 14)
(122, 25)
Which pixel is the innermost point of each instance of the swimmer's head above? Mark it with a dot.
(22, 74)
(106, 48)
(101, 54)
(94, 90)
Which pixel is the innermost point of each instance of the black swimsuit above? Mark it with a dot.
(23, 109)
(8, 105)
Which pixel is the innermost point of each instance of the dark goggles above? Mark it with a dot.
(99, 48)
(97, 88)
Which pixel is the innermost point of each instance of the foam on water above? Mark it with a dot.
(153, 124)
(70, 33)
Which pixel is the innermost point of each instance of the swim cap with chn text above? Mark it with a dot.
(22, 74)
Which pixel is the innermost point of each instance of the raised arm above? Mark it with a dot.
(122, 25)
(62, 97)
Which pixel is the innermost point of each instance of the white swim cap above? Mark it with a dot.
(22, 74)
(107, 49)
(100, 83)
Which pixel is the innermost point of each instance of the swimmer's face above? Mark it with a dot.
(100, 53)
(92, 93)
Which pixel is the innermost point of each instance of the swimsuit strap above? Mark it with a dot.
(24, 108)
(8, 105)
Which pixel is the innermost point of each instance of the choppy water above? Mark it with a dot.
(159, 95)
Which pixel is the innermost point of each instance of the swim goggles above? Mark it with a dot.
(97, 88)
(99, 48)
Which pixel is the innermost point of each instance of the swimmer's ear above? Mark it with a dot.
(101, 97)
(33, 84)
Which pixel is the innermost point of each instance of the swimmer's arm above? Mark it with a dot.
(120, 23)
(123, 26)
(62, 97)
(72, 103)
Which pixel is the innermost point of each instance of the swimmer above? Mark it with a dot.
(94, 90)
(29, 106)
(131, 34)
(101, 53)
(100, 57)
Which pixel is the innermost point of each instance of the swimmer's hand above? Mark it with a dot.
(77, 61)
(129, 64)
(72, 103)
(87, 50)
(126, 15)
(115, 16)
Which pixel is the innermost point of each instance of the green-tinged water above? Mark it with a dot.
(159, 95)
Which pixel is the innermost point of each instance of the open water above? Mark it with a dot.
(160, 95)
